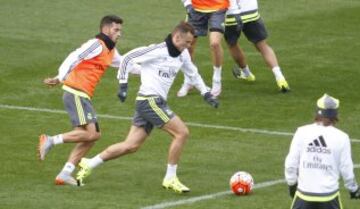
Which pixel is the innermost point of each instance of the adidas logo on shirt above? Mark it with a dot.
(319, 146)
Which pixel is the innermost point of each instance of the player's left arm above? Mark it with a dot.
(116, 59)
(131, 63)
(347, 168)
(191, 71)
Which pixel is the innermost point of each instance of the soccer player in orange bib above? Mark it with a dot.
(79, 73)
(204, 16)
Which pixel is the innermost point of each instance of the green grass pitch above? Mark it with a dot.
(317, 44)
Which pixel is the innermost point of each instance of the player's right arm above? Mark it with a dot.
(131, 63)
(88, 50)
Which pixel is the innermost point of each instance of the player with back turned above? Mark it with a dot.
(319, 154)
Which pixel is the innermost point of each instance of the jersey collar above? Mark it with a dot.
(173, 51)
(108, 42)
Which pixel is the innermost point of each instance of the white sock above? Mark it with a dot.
(68, 168)
(58, 139)
(170, 171)
(217, 74)
(246, 71)
(95, 161)
(277, 73)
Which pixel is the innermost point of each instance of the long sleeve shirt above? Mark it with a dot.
(318, 156)
(159, 69)
(234, 7)
(248, 6)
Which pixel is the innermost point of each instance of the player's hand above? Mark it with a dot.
(211, 100)
(356, 194)
(292, 190)
(122, 94)
(51, 81)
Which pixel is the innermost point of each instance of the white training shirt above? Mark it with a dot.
(318, 156)
(234, 7)
(88, 50)
(248, 5)
(158, 69)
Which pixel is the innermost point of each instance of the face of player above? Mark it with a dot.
(183, 40)
(113, 31)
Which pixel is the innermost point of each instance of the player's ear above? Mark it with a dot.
(176, 36)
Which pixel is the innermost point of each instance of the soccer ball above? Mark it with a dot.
(241, 183)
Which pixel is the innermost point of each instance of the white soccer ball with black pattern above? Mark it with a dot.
(241, 183)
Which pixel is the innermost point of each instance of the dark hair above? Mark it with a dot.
(326, 121)
(109, 19)
(184, 27)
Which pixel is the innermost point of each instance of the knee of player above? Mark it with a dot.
(94, 136)
(215, 45)
(231, 45)
(262, 45)
(184, 134)
(132, 148)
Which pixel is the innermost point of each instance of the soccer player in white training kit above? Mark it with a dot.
(243, 17)
(159, 64)
(319, 154)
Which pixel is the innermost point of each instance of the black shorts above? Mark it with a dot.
(232, 34)
(233, 27)
(254, 31)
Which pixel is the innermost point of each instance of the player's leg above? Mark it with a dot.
(154, 111)
(271, 60)
(199, 21)
(231, 35)
(140, 129)
(267, 53)
(83, 118)
(216, 29)
(187, 85)
(242, 70)
(178, 130)
(192, 48)
(136, 137)
(256, 32)
(89, 131)
(79, 151)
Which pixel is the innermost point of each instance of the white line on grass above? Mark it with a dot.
(210, 196)
(201, 125)
(194, 199)
(214, 195)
